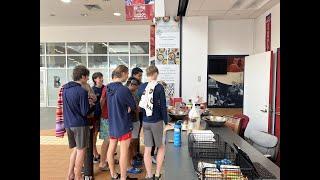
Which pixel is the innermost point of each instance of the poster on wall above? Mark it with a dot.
(139, 10)
(167, 52)
(268, 33)
(225, 81)
(169, 74)
(167, 40)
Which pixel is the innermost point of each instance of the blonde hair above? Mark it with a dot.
(151, 70)
(117, 73)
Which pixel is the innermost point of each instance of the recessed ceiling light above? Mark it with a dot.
(84, 14)
(117, 14)
(66, 1)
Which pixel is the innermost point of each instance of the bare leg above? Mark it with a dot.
(148, 160)
(104, 150)
(79, 163)
(72, 163)
(95, 151)
(131, 153)
(160, 158)
(110, 155)
(124, 149)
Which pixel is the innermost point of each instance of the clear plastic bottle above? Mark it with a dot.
(194, 118)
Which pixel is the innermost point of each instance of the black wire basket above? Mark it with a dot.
(205, 150)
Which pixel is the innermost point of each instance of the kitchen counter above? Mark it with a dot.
(178, 164)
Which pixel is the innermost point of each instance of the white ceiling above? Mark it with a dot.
(70, 14)
(229, 9)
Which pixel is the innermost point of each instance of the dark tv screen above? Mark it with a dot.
(217, 65)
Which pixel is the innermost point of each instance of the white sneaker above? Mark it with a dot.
(154, 160)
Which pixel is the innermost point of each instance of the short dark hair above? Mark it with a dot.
(151, 70)
(95, 76)
(133, 80)
(79, 71)
(117, 73)
(136, 70)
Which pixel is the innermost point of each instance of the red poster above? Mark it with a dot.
(268, 32)
(152, 40)
(139, 10)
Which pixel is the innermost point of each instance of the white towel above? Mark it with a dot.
(146, 101)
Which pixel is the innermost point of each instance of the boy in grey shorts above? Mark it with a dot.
(133, 85)
(153, 106)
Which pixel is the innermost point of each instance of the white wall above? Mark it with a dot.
(230, 37)
(94, 33)
(194, 56)
(260, 30)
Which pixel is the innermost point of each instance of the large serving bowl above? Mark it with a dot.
(215, 121)
(176, 115)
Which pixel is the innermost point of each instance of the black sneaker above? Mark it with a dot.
(96, 159)
(157, 178)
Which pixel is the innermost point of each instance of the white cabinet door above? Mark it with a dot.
(256, 91)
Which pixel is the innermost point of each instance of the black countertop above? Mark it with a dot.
(178, 164)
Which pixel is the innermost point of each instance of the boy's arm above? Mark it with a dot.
(163, 105)
(84, 103)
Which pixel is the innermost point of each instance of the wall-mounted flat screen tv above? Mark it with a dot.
(217, 65)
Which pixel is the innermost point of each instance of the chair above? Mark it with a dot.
(244, 120)
(266, 143)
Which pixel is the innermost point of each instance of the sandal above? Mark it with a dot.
(116, 177)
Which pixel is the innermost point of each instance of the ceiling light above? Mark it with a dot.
(117, 14)
(66, 1)
(84, 14)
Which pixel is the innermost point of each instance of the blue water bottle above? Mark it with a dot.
(177, 134)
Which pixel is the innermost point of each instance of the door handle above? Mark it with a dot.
(263, 110)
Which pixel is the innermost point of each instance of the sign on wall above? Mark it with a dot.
(139, 10)
(167, 52)
(268, 32)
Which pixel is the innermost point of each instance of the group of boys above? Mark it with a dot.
(118, 112)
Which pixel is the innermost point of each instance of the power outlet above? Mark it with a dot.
(199, 78)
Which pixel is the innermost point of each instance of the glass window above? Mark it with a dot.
(56, 61)
(42, 61)
(73, 61)
(139, 48)
(76, 48)
(139, 61)
(98, 48)
(118, 48)
(41, 48)
(103, 71)
(56, 48)
(117, 60)
(98, 61)
(56, 78)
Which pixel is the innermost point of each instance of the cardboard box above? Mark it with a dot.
(175, 100)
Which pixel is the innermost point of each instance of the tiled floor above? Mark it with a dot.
(54, 158)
